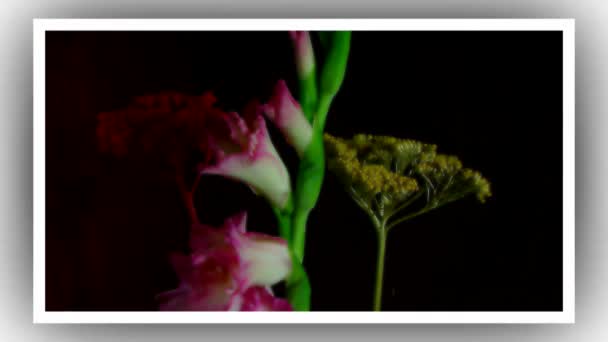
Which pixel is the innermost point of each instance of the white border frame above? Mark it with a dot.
(40, 315)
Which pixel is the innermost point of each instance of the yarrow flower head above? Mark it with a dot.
(367, 179)
(386, 175)
(229, 269)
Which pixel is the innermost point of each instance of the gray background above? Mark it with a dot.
(592, 189)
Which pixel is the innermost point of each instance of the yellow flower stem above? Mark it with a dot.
(381, 234)
(407, 217)
(382, 230)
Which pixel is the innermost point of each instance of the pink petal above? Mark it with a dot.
(303, 50)
(285, 112)
(260, 299)
(267, 258)
(237, 222)
(212, 282)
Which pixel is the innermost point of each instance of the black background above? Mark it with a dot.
(492, 98)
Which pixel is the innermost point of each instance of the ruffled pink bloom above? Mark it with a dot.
(286, 113)
(229, 269)
(242, 150)
(305, 58)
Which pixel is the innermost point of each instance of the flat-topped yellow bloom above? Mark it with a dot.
(378, 179)
(366, 179)
(385, 174)
(394, 180)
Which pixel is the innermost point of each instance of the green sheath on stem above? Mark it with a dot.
(315, 101)
(298, 286)
(312, 164)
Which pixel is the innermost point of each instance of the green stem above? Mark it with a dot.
(309, 180)
(298, 287)
(308, 94)
(406, 203)
(299, 233)
(312, 164)
(284, 220)
(380, 267)
(322, 110)
(407, 217)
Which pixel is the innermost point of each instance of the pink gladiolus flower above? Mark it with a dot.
(229, 269)
(305, 58)
(285, 112)
(169, 124)
(243, 151)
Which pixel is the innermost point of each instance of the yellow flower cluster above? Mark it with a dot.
(369, 179)
(376, 179)
(481, 184)
(449, 169)
(399, 170)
